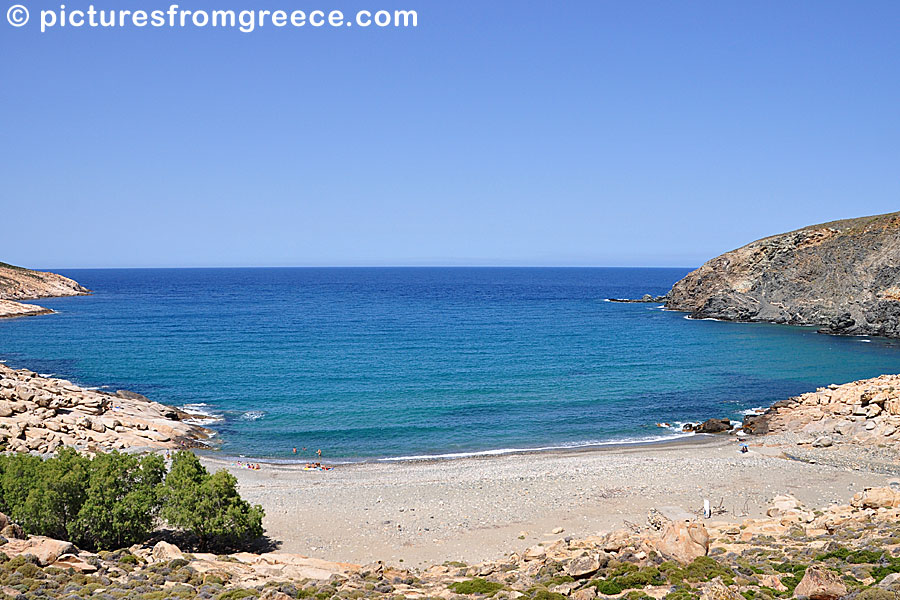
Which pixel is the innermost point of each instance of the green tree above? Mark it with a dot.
(208, 506)
(45, 496)
(121, 501)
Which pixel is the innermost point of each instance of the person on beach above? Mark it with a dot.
(319, 453)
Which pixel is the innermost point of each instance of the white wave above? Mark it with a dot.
(866, 341)
(757, 410)
(572, 446)
(690, 318)
(253, 415)
(46, 375)
(200, 414)
(677, 426)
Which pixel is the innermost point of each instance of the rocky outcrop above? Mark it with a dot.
(843, 277)
(821, 584)
(18, 283)
(861, 412)
(41, 414)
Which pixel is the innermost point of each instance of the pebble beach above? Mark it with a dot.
(472, 509)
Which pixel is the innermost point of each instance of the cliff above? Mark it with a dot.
(17, 283)
(842, 276)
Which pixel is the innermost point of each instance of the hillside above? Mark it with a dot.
(18, 283)
(843, 276)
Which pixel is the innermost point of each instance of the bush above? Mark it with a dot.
(476, 586)
(44, 496)
(114, 500)
(208, 506)
(121, 502)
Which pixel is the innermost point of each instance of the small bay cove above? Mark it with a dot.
(374, 364)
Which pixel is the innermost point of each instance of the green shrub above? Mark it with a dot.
(43, 496)
(627, 576)
(702, 568)
(545, 594)
(476, 586)
(876, 594)
(681, 594)
(865, 556)
(208, 506)
(121, 502)
(113, 500)
(237, 594)
(840, 553)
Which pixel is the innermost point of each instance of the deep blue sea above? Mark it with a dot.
(373, 363)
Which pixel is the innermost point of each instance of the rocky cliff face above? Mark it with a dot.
(17, 283)
(843, 276)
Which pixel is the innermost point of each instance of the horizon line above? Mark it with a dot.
(363, 266)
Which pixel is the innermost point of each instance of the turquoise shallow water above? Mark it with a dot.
(385, 363)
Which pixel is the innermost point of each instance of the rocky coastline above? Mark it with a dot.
(41, 414)
(843, 277)
(19, 283)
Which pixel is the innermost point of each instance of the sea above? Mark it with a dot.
(392, 364)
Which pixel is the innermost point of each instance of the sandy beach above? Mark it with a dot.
(473, 509)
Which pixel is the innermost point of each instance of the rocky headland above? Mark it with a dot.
(843, 277)
(18, 283)
(41, 414)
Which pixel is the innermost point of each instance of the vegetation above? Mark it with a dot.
(208, 505)
(115, 500)
(476, 586)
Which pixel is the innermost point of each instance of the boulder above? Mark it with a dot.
(880, 497)
(166, 551)
(71, 561)
(823, 442)
(781, 505)
(714, 426)
(683, 541)
(4, 521)
(756, 424)
(582, 566)
(891, 582)
(587, 593)
(820, 584)
(46, 550)
(13, 531)
(615, 541)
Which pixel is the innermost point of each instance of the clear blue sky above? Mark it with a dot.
(497, 132)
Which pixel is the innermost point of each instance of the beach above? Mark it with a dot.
(472, 509)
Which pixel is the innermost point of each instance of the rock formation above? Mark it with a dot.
(861, 412)
(843, 277)
(17, 283)
(40, 414)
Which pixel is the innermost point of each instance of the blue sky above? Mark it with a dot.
(497, 132)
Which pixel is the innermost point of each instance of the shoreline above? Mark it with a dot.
(476, 508)
(688, 438)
